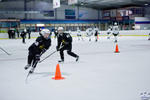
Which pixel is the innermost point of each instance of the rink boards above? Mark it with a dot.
(102, 33)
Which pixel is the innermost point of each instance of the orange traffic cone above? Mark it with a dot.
(58, 73)
(117, 49)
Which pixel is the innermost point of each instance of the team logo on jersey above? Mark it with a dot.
(41, 46)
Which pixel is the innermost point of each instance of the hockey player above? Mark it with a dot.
(55, 32)
(109, 32)
(115, 30)
(23, 35)
(79, 34)
(29, 33)
(95, 31)
(42, 43)
(13, 33)
(65, 43)
(96, 35)
(89, 33)
(149, 37)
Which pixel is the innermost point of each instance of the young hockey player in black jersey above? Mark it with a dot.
(42, 43)
(96, 32)
(96, 35)
(65, 43)
(23, 35)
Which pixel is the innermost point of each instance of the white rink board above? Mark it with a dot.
(124, 32)
(74, 33)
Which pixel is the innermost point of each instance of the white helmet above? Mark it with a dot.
(60, 28)
(25, 30)
(115, 23)
(45, 31)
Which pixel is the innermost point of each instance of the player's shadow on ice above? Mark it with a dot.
(40, 75)
(72, 62)
(43, 74)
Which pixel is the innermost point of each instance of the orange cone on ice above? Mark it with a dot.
(58, 74)
(117, 49)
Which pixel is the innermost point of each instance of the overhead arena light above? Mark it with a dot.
(40, 25)
(146, 4)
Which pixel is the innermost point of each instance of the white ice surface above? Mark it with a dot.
(100, 74)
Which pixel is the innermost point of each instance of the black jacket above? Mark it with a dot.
(23, 34)
(96, 33)
(64, 39)
(40, 45)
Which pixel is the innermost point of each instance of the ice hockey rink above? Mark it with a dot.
(108, 69)
(100, 73)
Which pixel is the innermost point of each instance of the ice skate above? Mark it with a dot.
(32, 70)
(27, 66)
(61, 61)
(77, 58)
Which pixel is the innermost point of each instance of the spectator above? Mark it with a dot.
(23, 35)
(29, 33)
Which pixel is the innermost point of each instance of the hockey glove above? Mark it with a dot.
(43, 51)
(36, 43)
(57, 48)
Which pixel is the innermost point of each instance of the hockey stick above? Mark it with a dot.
(30, 72)
(47, 56)
(27, 77)
(5, 51)
(50, 55)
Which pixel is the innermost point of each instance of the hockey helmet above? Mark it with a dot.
(25, 30)
(45, 31)
(60, 28)
(115, 23)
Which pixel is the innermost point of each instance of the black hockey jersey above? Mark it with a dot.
(64, 39)
(41, 44)
(23, 34)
